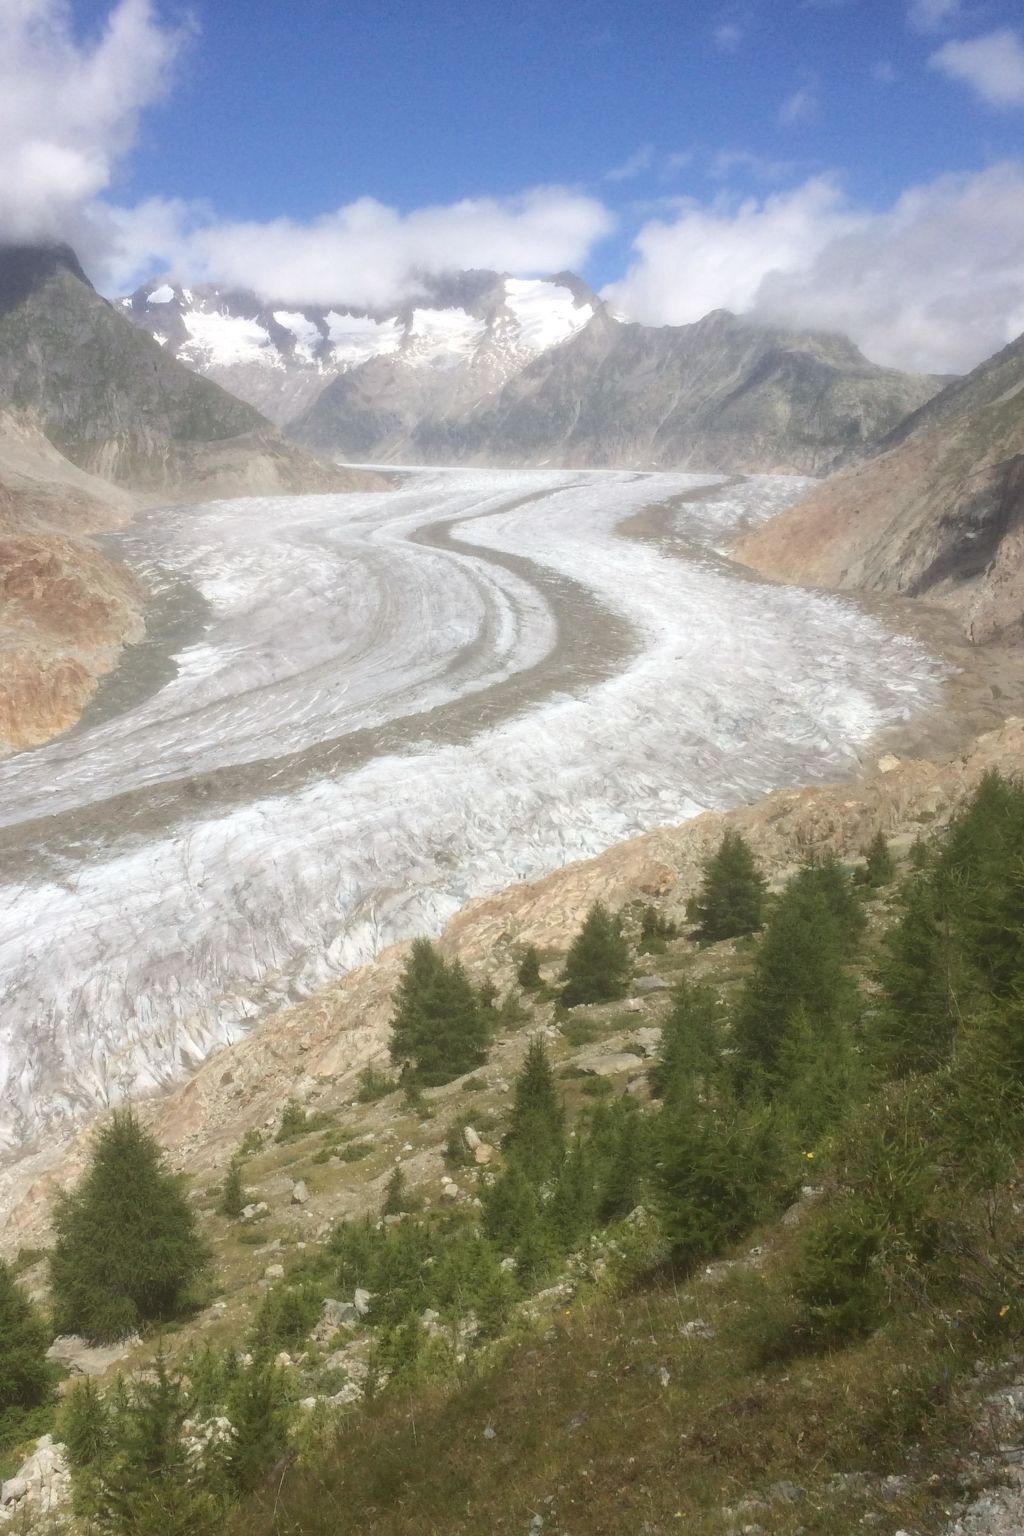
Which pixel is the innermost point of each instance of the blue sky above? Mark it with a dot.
(785, 127)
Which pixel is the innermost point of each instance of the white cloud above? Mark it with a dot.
(716, 256)
(364, 253)
(934, 283)
(724, 163)
(634, 165)
(993, 65)
(933, 15)
(801, 107)
(69, 110)
(728, 36)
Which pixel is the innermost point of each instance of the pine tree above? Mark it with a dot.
(84, 1425)
(24, 1377)
(624, 1173)
(396, 1195)
(232, 1199)
(258, 1410)
(799, 965)
(921, 972)
(825, 876)
(439, 1023)
(654, 930)
(878, 867)
(816, 1079)
(536, 1135)
(127, 1249)
(690, 1039)
(730, 902)
(597, 967)
(528, 970)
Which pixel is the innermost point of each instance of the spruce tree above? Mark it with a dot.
(799, 964)
(84, 1425)
(921, 972)
(730, 902)
(258, 1409)
(878, 867)
(597, 967)
(439, 1024)
(536, 1136)
(232, 1199)
(24, 1376)
(127, 1247)
(528, 970)
(690, 1039)
(396, 1194)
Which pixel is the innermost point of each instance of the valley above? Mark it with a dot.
(353, 714)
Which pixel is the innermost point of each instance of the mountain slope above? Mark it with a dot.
(938, 512)
(722, 394)
(458, 342)
(117, 405)
(489, 369)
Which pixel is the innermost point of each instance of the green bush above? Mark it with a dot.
(373, 1085)
(24, 1374)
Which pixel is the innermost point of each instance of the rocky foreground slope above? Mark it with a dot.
(938, 512)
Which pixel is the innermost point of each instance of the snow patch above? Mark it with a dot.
(546, 313)
(356, 339)
(217, 339)
(306, 332)
(442, 338)
(162, 295)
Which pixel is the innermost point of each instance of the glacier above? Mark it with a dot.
(354, 713)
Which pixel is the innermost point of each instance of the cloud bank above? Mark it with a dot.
(935, 283)
(69, 111)
(992, 65)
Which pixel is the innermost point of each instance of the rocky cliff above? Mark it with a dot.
(937, 512)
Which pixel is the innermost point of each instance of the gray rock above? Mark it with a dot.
(15, 1489)
(251, 1212)
(274, 1272)
(608, 1063)
(81, 1359)
(362, 1301)
(645, 984)
(300, 1194)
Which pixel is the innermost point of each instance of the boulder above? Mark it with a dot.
(362, 1301)
(259, 1208)
(274, 1272)
(81, 1359)
(646, 984)
(337, 1314)
(482, 1153)
(300, 1194)
(608, 1063)
(471, 1137)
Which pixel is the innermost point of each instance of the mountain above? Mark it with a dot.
(93, 416)
(119, 406)
(458, 343)
(937, 512)
(489, 369)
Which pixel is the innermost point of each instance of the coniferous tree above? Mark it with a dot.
(624, 1172)
(258, 1409)
(84, 1425)
(528, 970)
(439, 1023)
(799, 965)
(921, 972)
(879, 868)
(396, 1194)
(730, 902)
(24, 1377)
(825, 875)
(597, 967)
(690, 1039)
(536, 1136)
(232, 1199)
(127, 1249)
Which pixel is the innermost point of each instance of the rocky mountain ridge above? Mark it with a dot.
(96, 419)
(936, 512)
(489, 369)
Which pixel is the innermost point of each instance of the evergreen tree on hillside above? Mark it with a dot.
(536, 1136)
(258, 1409)
(597, 967)
(232, 1199)
(833, 885)
(690, 1039)
(878, 866)
(730, 901)
(980, 877)
(127, 1249)
(920, 971)
(24, 1378)
(439, 1025)
(528, 970)
(799, 965)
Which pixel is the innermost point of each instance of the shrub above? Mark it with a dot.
(232, 1199)
(528, 970)
(835, 1279)
(373, 1085)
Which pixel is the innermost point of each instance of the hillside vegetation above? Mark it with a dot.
(774, 1284)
